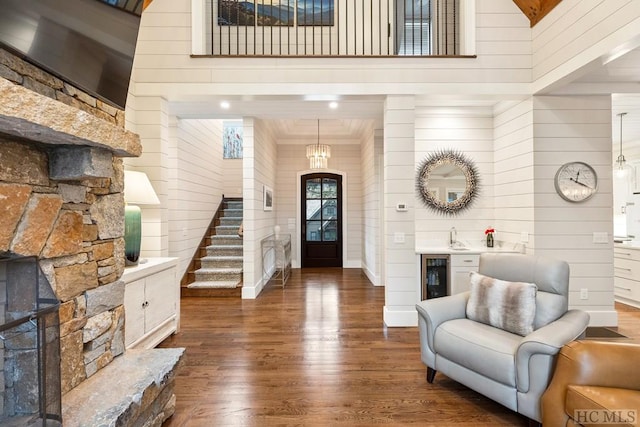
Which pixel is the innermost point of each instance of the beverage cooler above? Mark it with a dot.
(434, 276)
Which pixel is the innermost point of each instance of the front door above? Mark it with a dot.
(321, 220)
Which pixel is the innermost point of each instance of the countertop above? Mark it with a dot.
(147, 267)
(474, 249)
(632, 244)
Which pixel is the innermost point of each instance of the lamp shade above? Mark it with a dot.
(138, 189)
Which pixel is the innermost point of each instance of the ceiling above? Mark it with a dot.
(294, 119)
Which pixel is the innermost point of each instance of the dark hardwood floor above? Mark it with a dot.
(317, 353)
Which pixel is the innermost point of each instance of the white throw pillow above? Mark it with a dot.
(506, 305)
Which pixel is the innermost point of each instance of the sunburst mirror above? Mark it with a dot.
(447, 182)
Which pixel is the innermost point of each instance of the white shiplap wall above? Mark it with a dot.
(468, 130)
(577, 32)
(401, 272)
(371, 164)
(195, 187)
(345, 161)
(513, 185)
(259, 169)
(232, 177)
(152, 124)
(568, 129)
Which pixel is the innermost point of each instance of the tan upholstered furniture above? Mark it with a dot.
(591, 378)
(511, 369)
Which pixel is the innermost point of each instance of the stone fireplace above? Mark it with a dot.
(29, 346)
(61, 204)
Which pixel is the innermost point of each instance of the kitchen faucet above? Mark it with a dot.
(453, 236)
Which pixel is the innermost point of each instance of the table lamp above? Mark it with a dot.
(137, 191)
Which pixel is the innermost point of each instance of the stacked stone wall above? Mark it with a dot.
(74, 224)
(75, 228)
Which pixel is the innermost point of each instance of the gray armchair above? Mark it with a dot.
(511, 369)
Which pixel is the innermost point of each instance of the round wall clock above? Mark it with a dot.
(576, 181)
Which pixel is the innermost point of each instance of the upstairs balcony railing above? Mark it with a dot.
(333, 27)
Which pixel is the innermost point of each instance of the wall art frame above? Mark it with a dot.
(267, 198)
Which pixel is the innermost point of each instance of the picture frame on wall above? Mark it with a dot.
(232, 133)
(267, 199)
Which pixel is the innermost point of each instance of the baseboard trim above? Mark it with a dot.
(629, 302)
(396, 318)
(603, 318)
(252, 292)
(374, 279)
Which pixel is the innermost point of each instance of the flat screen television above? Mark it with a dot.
(86, 43)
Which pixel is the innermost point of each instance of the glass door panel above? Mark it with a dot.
(321, 217)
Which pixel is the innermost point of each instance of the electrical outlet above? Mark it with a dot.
(398, 237)
(524, 237)
(584, 293)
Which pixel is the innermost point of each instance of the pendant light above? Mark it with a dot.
(621, 162)
(318, 154)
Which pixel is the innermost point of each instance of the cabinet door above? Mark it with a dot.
(160, 294)
(134, 309)
(461, 266)
(460, 280)
(625, 288)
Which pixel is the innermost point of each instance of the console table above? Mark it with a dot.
(276, 258)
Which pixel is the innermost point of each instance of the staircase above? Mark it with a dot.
(218, 270)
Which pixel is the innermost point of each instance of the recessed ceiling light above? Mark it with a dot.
(225, 105)
(333, 105)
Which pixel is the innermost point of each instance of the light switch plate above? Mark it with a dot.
(524, 237)
(600, 237)
(584, 293)
(398, 237)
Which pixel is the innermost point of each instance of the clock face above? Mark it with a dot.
(576, 181)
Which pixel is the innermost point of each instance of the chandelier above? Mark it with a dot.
(621, 161)
(318, 154)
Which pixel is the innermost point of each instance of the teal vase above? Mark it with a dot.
(132, 234)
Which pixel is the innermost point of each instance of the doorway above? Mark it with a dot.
(321, 219)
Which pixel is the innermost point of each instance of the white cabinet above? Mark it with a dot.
(151, 302)
(626, 265)
(461, 266)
